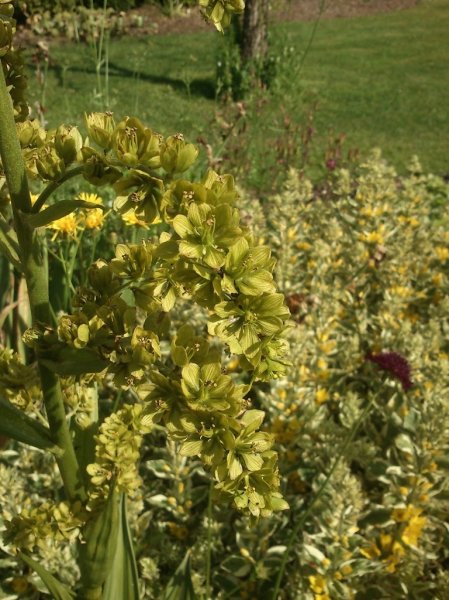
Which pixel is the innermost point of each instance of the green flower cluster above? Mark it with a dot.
(19, 383)
(12, 62)
(33, 527)
(117, 450)
(121, 323)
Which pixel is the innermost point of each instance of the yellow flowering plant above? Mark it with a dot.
(361, 419)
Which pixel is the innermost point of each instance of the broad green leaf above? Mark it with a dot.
(57, 211)
(123, 580)
(18, 426)
(58, 590)
(180, 586)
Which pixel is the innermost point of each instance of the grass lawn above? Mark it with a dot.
(382, 80)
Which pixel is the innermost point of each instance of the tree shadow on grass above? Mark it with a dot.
(200, 87)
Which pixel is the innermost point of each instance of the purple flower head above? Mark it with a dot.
(396, 364)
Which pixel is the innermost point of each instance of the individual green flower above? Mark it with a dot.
(135, 144)
(145, 346)
(188, 347)
(103, 279)
(68, 143)
(221, 187)
(97, 169)
(133, 261)
(206, 389)
(254, 492)
(31, 134)
(271, 361)
(249, 445)
(243, 321)
(19, 383)
(100, 127)
(161, 396)
(139, 192)
(248, 270)
(205, 435)
(177, 155)
(206, 233)
(179, 195)
(49, 164)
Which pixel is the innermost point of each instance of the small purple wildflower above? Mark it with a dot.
(396, 364)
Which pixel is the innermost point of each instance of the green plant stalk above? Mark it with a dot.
(209, 543)
(36, 275)
(51, 187)
(294, 533)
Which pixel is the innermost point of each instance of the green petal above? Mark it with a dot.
(252, 420)
(210, 372)
(191, 448)
(191, 376)
(234, 466)
(253, 462)
(182, 226)
(214, 258)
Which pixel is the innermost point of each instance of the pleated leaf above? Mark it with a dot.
(123, 579)
(180, 586)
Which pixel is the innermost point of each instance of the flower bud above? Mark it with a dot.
(176, 155)
(68, 142)
(97, 170)
(100, 127)
(30, 133)
(49, 165)
(100, 275)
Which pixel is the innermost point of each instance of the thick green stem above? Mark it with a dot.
(32, 256)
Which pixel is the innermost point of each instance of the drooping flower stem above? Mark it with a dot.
(51, 187)
(34, 266)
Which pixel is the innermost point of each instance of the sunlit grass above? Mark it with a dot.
(382, 80)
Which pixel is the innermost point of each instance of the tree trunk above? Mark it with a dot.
(254, 35)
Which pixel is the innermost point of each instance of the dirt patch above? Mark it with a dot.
(191, 20)
(149, 20)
